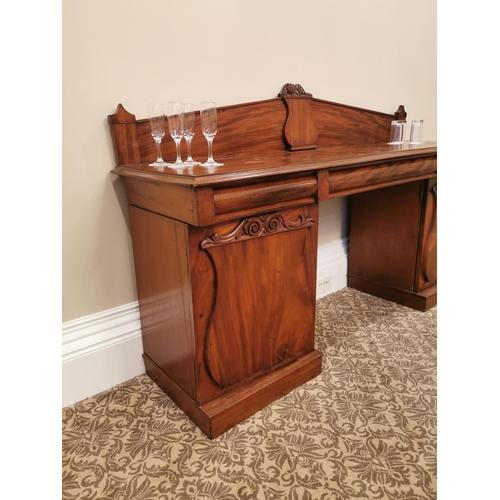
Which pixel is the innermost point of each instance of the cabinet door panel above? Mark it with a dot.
(264, 308)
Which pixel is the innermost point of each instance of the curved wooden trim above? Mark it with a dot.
(210, 323)
(260, 225)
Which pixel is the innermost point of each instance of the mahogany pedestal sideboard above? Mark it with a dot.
(225, 259)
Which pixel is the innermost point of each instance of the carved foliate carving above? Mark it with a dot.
(260, 225)
(293, 89)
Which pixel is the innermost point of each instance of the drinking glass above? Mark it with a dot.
(175, 116)
(397, 132)
(157, 123)
(416, 131)
(189, 120)
(208, 115)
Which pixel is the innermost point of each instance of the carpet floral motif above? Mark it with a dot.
(364, 429)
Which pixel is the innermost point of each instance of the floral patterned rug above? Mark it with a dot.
(364, 429)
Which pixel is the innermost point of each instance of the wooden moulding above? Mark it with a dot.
(218, 416)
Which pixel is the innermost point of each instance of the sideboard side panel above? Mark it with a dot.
(164, 292)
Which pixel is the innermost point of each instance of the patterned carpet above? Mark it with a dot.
(365, 428)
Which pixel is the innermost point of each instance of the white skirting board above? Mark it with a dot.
(105, 349)
(332, 267)
(100, 351)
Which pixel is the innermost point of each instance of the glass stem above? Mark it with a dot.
(210, 149)
(188, 142)
(158, 149)
(178, 148)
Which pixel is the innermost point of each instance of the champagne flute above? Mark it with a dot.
(208, 114)
(189, 121)
(157, 124)
(175, 115)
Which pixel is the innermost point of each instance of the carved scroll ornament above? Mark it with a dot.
(293, 89)
(260, 225)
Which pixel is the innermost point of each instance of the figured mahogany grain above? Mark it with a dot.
(244, 127)
(348, 181)
(265, 300)
(339, 124)
(265, 194)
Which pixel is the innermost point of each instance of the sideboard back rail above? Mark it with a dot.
(286, 123)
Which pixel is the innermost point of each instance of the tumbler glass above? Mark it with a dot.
(416, 131)
(397, 132)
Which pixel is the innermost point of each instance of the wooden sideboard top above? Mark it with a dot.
(246, 165)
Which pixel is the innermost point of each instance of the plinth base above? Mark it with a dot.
(422, 301)
(221, 414)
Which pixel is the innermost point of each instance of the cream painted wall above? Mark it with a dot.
(370, 54)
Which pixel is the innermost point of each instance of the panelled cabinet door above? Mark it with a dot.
(263, 309)
(426, 272)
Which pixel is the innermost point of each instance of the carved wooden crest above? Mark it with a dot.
(290, 89)
(300, 130)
